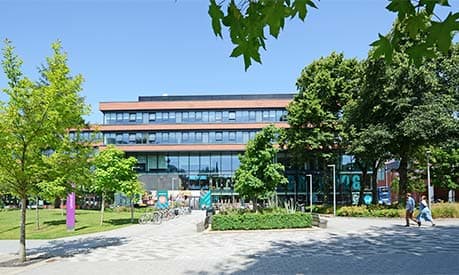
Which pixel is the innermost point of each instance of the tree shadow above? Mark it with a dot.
(55, 222)
(375, 250)
(65, 249)
(121, 221)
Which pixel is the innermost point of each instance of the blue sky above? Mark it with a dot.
(125, 49)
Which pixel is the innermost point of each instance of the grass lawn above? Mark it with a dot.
(52, 223)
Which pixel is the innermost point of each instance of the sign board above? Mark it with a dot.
(70, 205)
(163, 199)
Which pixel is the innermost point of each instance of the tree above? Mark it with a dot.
(248, 20)
(259, 174)
(316, 134)
(415, 104)
(445, 165)
(111, 171)
(34, 119)
(68, 168)
(131, 188)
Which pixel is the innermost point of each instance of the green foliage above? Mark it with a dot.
(113, 171)
(248, 20)
(258, 175)
(315, 114)
(35, 118)
(253, 221)
(418, 31)
(445, 210)
(364, 211)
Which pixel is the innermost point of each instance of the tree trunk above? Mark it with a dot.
(403, 183)
(102, 207)
(374, 184)
(22, 234)
(62, 207)
(362, 185)
(37, 217)
(254, 201)
(132, 209)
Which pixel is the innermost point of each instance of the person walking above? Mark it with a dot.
(424, 212)
(410, 204)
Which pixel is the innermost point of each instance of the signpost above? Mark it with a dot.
(70, 218)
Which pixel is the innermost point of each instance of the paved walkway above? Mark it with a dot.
(347, 246)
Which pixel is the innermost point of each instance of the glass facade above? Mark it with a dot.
(180, 137)
(198, 116)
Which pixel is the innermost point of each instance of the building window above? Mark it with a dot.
(232, 136)
(165, 137)
(125, 117)
(152, 116)
(132, 117)
(185, 116)
(185, 137)
(119, 116)
(131, 138)
(165, 116)
(139, 117)
(232, 115)
(251, 115)
(218, 136)
(119, 138)
(152, 138)
(198, 116)
(218, 116)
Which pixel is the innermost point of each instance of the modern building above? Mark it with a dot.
(190, 142)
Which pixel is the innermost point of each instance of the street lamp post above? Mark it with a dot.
(428, 179)
(334, 188)
(310, 192)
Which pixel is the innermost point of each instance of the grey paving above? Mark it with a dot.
(347, 246)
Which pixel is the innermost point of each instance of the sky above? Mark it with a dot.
(126, 49)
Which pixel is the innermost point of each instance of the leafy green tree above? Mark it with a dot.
(259, 174)
(316, 134)
(445, 165)
(131, 189)
(247, 20)
(415, 104)
(34, 119)
(112, 170)
(68, 168)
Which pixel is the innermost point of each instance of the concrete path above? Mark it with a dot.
(347, 246)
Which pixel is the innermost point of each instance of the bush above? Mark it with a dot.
(445, 210)
(253, 221)
(353, 211)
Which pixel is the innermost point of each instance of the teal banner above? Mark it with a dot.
(205, 199)
(163, 199)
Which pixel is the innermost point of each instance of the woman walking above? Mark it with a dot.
(424, 212)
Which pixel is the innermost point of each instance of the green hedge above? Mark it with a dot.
(253, 221)
(439, 210)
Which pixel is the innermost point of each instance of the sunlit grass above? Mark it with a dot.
(53, 223)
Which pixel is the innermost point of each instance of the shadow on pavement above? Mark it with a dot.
(64, 248)
(375, 250)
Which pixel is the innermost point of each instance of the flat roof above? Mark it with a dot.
(217, 97)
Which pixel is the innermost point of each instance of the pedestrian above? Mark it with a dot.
(410, 204)
(424, 212)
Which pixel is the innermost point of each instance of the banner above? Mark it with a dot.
(70, 206)
(163, 199)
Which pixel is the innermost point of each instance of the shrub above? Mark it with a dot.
(445, 210)
(353, 211)
(253, 221)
